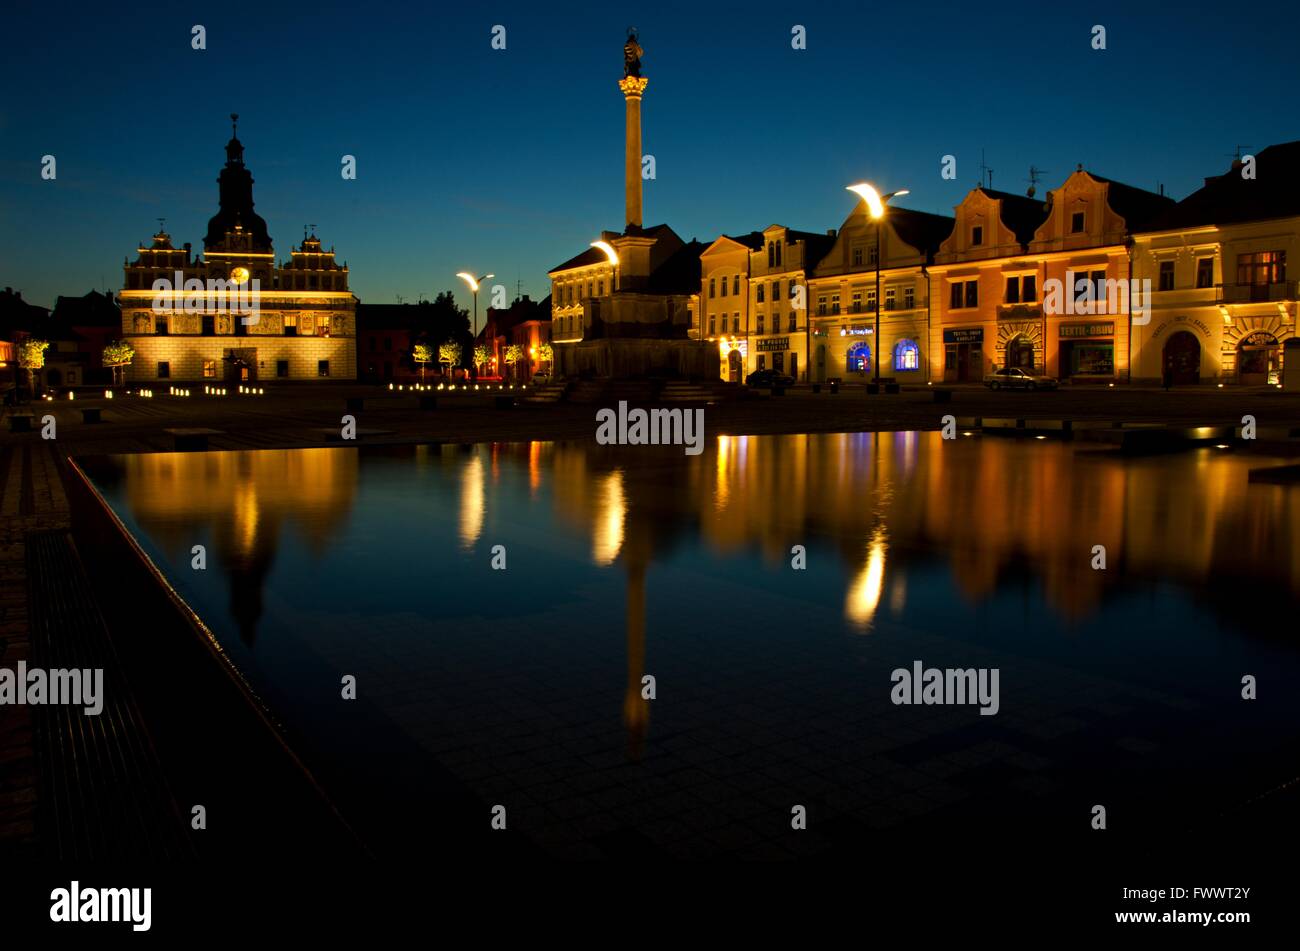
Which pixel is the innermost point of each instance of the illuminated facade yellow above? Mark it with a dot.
(265, 320)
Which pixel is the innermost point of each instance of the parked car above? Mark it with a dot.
(1015, 378)
(768, 377)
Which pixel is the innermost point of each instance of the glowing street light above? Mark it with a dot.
(614, 259)
(876, 207)
(473, 283)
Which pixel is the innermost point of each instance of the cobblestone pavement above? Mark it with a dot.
(31, 499)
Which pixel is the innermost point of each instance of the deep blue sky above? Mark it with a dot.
(511, 161)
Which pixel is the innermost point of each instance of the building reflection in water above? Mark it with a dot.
(244, 502)
(993, 512)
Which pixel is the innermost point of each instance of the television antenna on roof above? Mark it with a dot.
(1035, 176)
(985, 172)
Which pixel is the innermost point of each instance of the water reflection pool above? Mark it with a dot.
(524, 686)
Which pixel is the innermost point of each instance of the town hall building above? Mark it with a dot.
(235, 314)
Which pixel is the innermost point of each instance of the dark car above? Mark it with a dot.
(768, 378)
(1013, 378)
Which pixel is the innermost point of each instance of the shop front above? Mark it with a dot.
(1087, 351)
(775, 353)
(850, 353)
(963, 355)
(1259, 360)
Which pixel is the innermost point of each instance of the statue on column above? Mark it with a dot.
(632, 53)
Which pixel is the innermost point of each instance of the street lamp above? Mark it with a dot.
(876, 208)
(473, 283)
(612, 255)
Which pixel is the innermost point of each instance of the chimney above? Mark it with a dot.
(830, 232)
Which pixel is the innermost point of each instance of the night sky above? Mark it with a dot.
(511, 161)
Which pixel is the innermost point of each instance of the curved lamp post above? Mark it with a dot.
(876, 208)
(611, 254)
(473, 283)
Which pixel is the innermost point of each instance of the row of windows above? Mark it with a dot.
(907, 356)
(570, 293)
(1256, 269)
(210, 369)
(831, 305)
(136, 280)
(760, 289)
(760, 324)
(870, 252)
(208, 325)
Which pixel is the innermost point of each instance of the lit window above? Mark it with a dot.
(859, 358)
(907, 356)
(209, 369)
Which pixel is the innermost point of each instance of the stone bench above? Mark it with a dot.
(190, 439)
(21, 423)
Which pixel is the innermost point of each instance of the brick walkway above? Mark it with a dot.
(31, 499)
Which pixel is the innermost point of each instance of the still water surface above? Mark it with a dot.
(524, 686)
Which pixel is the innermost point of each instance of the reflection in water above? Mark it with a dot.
(471, 501)
(864, 593)
(607, 524)
(239, 503)
(964, 518)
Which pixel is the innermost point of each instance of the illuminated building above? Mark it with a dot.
(753, 300)
(842, 296)
(1223, 306)
(294, 320)
(990, 275)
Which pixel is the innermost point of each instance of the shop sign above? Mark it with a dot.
(1087, 330)
(856, 331)
(1260, 338)
(964, 335)
(773, 343)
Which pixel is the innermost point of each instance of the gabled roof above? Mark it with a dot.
(1020, 213)
(921, 229)
(590, 256)
(680, 274)
(92, 309)
(816, 247)
(752, 241)
(1274, 192)
(597, 256)
(1136, 206)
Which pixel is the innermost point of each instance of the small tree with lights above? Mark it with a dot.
(31, 357)
(514, 353)
(118, 354)
(422, 354)
(449, 353)
(481, 357)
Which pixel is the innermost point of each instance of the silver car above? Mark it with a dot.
(1016, 378)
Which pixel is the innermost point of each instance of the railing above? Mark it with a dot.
(1024, 310)
(1257, 293)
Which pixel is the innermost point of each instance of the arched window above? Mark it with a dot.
(859, 359)
(907, 355)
